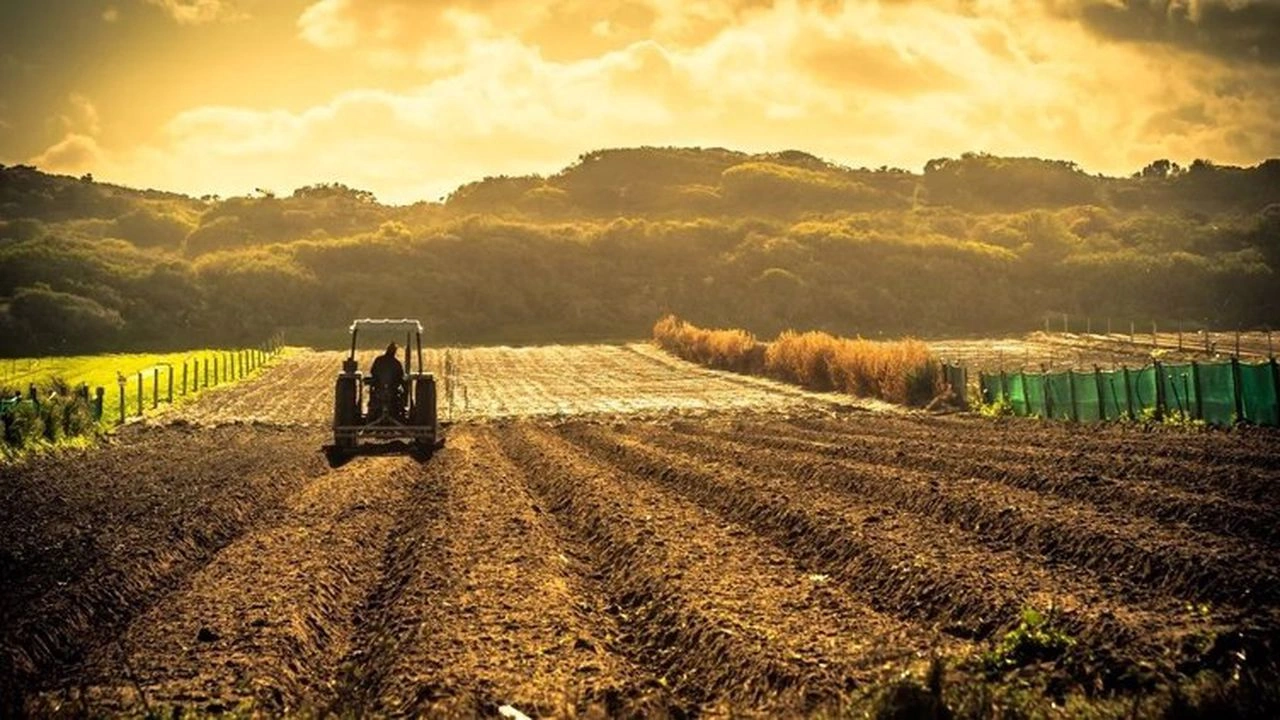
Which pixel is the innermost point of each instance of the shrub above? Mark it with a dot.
(62, 413)
(23, 425)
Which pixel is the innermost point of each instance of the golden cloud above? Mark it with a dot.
(75, 154)
(196, 12)
(872, 83)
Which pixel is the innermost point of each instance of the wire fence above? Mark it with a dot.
(59, 410)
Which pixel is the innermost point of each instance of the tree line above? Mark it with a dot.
(976, 244)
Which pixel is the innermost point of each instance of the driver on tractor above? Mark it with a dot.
(387, 376)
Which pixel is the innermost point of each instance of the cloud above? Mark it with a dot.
(84, 116)
(75, 154)
(894, 82)
(1228, 29)
(197, 12)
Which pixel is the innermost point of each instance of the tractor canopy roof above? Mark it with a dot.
(404, 324)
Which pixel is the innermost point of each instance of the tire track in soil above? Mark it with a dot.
(1153, 557)
(124, 527)
(722, 614)
(484, 603)
(914, 568)
(1119, 494)
(268, 619)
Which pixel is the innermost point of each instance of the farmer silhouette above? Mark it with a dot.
(387, 369)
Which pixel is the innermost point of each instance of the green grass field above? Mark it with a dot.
(105, 371)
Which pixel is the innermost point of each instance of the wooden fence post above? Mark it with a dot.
(206, 371)
(1128, 393)
(1102, 403)
(139, 393)
(1236, 391)
(99, 395)
(170, 384)
(184, 376)
(155, 387)
(1071, 389)
(215, 369)
(1160, 399)
(122, 400)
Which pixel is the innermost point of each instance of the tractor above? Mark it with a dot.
(369, 408)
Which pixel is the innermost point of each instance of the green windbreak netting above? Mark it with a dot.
(1179, 399)
(988, 387)
(1142, 390)
(1088, 407)
(1217, 399)
(1033, 386)
(1112, 401)
(1202, 391)
(1017, 394)
(1057, 388)
(1258, 394)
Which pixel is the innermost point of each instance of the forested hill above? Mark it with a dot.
(621, 237)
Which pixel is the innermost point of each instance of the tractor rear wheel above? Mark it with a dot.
(424, 406)
(346, 410)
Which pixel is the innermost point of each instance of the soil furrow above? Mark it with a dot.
(912, 567)
(165, 527)
(1154, 558)
(263, 624)
(1242, 449)
(773, 626)
(1255, 484)
(1109, 491)
(500, 615)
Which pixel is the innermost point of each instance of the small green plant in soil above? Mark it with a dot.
(1000, 407)
(1037, 638)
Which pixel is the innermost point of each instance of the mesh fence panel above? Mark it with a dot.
(1057, 387)
(1142, 390)
(1258, 394)
(1178, 389)
(1088, 403)
(1112, 402)
(1217, 394)
(1017, 394)
(1033, 386)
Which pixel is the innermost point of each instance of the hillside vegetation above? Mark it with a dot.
(975, 244)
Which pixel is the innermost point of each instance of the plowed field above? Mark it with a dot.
(609, 531)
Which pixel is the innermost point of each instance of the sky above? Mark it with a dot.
(410, 99)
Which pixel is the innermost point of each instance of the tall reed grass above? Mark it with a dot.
(900, 371)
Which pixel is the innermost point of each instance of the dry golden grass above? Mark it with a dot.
(736, 350)
(901, 371)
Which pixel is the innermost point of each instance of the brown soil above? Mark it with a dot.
(608, 532)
